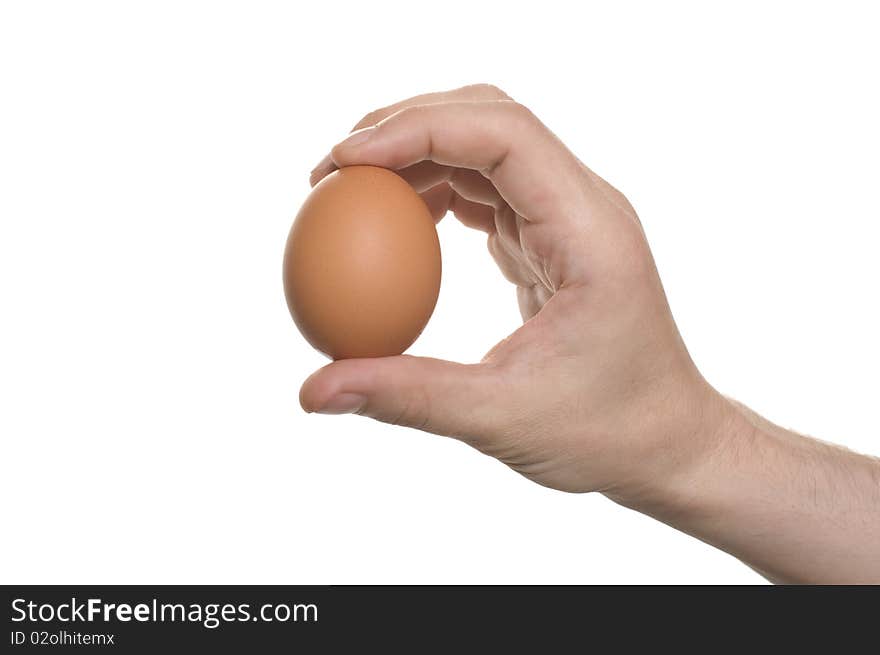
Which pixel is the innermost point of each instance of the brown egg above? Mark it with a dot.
(362, 264)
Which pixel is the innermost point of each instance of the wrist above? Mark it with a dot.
(693, 445)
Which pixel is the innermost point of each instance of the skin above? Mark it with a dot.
(596, 391)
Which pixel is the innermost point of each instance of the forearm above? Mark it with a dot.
(795, 509)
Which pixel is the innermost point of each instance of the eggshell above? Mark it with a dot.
(362, 264)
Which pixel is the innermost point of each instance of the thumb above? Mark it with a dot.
(429, 394)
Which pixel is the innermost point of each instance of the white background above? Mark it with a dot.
(153, 155)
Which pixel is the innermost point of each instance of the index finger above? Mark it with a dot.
(532, 170)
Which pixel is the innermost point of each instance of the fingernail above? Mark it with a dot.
(323, 168)
(357, 138)
(343, 403)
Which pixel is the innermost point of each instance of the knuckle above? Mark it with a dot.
(492, 244)
(520, 113)
(399, 418)
(490, 91)
(634, 251)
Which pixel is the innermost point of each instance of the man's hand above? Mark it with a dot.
(596, 390)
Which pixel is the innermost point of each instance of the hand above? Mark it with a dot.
(596, 391)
